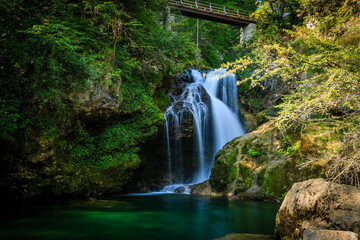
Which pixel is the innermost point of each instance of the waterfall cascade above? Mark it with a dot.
(208, 109)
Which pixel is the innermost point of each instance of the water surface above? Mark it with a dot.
(169, 216)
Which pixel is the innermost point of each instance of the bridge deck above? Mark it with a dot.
(214, 12)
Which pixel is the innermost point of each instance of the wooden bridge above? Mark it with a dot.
(214, 12)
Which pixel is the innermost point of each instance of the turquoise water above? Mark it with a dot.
(172, 216)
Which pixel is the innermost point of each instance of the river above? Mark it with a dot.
(163, 216)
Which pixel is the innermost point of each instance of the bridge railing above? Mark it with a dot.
(215, 9)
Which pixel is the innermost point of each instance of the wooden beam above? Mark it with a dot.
(190, 12)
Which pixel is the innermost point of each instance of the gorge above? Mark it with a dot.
(131, 120)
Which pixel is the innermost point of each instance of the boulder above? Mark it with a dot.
(265, 163)
(329, 234)
(180, 190)
(203, 189)
(318, 205)
(250, 167)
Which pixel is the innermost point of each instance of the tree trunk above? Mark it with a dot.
(282, 8)
(271, 6)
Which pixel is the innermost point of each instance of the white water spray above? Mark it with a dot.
(220, 87)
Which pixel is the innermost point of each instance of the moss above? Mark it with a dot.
(232, 174)
(231, 158)
(279, 179)
(316, 170)
(245, 176)
(218, 174)
(224, 171)
(261, 117)
(218, 154)
(246, 146)
(228, 159)
(261, 176)
(233, 143)
(290, 139)
(89, 159)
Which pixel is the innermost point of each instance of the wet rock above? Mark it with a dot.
(329, 234)
(176, 95)
(180, 190)
(185, 77)
(318, 205)
(204, 189)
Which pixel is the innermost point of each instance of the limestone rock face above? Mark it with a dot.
(249, 31)
(96, 103)
(316, 205)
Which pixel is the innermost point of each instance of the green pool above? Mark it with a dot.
(167, 216)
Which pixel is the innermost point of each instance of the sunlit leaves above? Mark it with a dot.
(317, 68)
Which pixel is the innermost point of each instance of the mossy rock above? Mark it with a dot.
(278, 179)
(263, 116)
(264, 164)
(315, 170)
(224, 171)
(245, 178)
(260, 179)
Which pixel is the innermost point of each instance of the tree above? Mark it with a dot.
(277, 7)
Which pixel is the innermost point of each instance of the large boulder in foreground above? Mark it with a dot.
(318, 205)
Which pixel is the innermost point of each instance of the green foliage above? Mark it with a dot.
(282, 13)
(253, 153)
(53, 49)
(9, 119)
(288, 150)
(55, 58)
(314, 68)
(216, 41)
(117, 143)
(318, 68)
(320, 7)
(252, 150)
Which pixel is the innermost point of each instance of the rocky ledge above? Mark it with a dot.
(317, 209)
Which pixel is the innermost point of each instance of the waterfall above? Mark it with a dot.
(205, 116)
